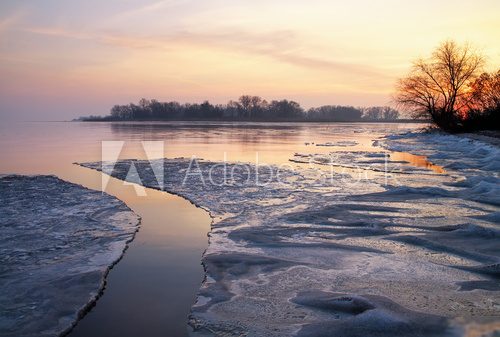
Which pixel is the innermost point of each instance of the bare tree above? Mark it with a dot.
(437, 87)
(485, 93)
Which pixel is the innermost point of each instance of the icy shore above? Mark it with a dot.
(312, 253)
(476, 163)
(57, 243)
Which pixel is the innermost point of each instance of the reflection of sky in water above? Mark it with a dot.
(173, 232)
(419, 161)
(53, 147)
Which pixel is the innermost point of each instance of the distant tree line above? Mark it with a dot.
(451, 88)
(246, 108)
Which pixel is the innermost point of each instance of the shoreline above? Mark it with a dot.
(232, 265)
(101, 208)
(124, 284)
(488, 137)
(227, 121)
(202, 260)
(259, 239)
(102, 286)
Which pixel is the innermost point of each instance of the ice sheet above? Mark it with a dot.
(57, 243)
(317, 253)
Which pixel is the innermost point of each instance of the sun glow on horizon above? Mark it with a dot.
(64, 60)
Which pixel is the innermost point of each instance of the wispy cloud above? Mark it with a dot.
(120, 40)
(7, 22)
(283, 46)
(60, 32)
(148, 8)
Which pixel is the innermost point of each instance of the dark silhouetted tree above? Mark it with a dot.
(484, 103)
(438, 87)
(380, 113)
(247, 108)
(335, 113)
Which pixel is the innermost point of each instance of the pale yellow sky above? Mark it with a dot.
(59, 59)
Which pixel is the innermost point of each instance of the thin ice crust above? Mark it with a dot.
(58, 241)
(412, 255)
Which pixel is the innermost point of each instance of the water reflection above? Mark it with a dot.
(418, 161)
(151, 290)
(153, 285)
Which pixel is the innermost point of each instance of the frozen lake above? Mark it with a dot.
(306, 236)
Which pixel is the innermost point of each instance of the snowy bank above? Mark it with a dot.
(302, 252)
(475, 163)
(57, 242)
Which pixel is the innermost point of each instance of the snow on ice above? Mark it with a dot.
(312, 252)
(57, 243)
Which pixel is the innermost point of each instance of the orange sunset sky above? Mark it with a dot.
(63, 59)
